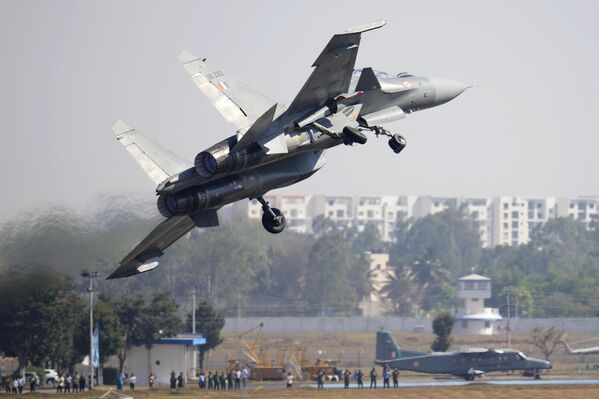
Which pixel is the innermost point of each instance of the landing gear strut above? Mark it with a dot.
(273, 219)
(396, 141)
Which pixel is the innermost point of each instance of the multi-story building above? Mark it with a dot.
(500, 221)
(376, 304)
(510, 221)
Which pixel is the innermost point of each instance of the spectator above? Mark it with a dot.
(237, 379)
(373, 376)
(202, 380)
(395, 378)
(223, 381)
(173, 380)
(180, 380)
(320, 379)
(346, 376)
(151, 379)
(386, 377)
(120, 382)
(82, 383)
(60, 385)
(132, 381)
(289, 381)
(210, 384)
(360, 379)
(244, 377)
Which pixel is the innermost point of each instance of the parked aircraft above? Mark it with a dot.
(274, 145)
(467, 364)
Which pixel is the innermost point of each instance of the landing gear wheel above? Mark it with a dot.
(351, 135)
(397, 143)
(274, 224)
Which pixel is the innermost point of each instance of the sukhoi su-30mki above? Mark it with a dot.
(274, 145)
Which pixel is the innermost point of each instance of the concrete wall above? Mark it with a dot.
(392, 323)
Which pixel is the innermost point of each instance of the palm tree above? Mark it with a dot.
(399, 290)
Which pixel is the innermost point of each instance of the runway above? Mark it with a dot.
(449, 383)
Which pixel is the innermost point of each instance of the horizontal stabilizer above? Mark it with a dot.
(158, 162)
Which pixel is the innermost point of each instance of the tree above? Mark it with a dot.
(327, 284)
(209, 322)
(143, 322)
(399, 290)
(368, 239)
(546, 339)
(38, 313)
(442, 326)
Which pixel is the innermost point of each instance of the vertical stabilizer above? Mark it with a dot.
(386, 347)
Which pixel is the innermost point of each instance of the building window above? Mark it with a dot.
(340, 213)
(506, 225)
(505, 205)
(514, 235)
(514, 215)
(464, 324)
(487, 324)
(514, 225)
(293, 213)
(370, 214)
(505, 215)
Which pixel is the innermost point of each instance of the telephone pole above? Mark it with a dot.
(509, 331)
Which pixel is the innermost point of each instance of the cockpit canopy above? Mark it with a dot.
(382, 74)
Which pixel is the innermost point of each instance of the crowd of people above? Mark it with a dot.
(225, 380)
(71, 383)
(358, 376)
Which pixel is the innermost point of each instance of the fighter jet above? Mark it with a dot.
(274, 145)
(467, 364)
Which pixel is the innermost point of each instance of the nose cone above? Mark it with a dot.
(446, 89)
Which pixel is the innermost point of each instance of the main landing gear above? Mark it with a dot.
(396, 141)
(273, 219)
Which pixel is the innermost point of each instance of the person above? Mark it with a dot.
(289, 381)
(173, 380)
(230, 380)
(395, 378)
(346, 375)
(180, 380)
(237, 379)
(244, 377)
(360, 379)
(386, 377)
(202, 380)
(151, 379)
(21, 384)
(132, 381)
(32, 383)
(120, 382)
(210, 384)
(320, 379)
(15, 385)
(373, 376)
(82, 383)
(75, 382)
(60, 385)
(223, 381)
(67, 383)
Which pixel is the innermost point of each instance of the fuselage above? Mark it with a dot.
(465, 363)
(222, 174)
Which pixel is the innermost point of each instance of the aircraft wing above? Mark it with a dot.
(238, 103)
(334, 69)
(163, 236)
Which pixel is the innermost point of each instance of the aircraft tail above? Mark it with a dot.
(158, 162)
(567, 346)
(386, 347)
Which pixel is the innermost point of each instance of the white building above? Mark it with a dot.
(163, 356)
(502, 220)
(471, 315)
(510, 221)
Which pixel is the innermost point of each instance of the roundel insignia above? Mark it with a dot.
(406, 84)
(416, 364)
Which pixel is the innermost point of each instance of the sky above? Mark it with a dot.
(69, 69)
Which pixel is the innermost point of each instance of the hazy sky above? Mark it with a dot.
(69, 69)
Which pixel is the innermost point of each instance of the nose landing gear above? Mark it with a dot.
(273, 219)
(396, 141)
